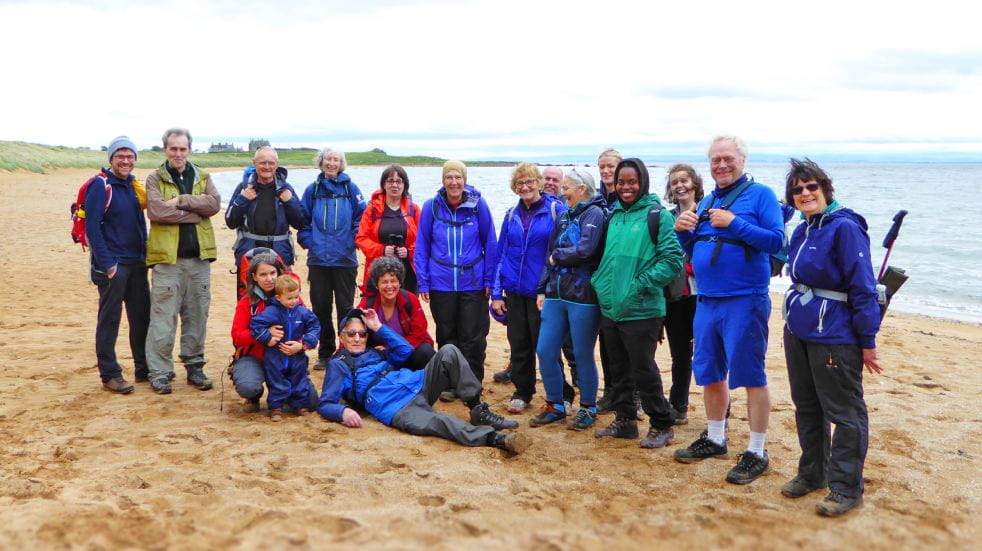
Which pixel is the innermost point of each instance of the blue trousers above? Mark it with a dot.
(248, 377)
(582, 322)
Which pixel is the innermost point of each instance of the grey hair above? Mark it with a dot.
(266, 148)
(561, 173)
(740, 144)
(582, 179)
(386, 265)
(176, 131)
(319, 159)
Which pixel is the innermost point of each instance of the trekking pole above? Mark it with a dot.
(890, 239)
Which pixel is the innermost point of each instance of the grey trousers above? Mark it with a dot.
(827, 388)
(181, 289)
(447, 370)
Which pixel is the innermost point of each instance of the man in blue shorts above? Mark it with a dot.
(730, 240)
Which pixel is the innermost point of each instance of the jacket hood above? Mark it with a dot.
(836, 211)
(471, 196)
(598, 200)
(377, 200)
(638, 166)
(279, 179)
(342, 178)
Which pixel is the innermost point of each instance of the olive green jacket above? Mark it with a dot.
(166, 215)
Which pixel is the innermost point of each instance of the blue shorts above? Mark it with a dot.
(731, 339)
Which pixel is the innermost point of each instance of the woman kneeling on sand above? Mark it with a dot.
(247, 368)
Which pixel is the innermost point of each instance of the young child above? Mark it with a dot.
(285, 362)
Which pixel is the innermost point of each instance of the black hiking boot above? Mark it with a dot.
(658, 438)
(161, 385)
(800, 486)
(620, 428)
(749, 468)
(481, 414)
(700, 449)
(197, 377)
(836, 504)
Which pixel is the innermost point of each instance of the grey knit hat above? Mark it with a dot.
(121, 142)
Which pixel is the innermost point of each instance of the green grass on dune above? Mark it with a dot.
(41, 158)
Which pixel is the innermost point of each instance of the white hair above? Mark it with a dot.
(266, 148)
(319, 159)
(740, 144)
(583, 180)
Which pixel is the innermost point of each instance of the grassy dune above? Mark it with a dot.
(41, 158)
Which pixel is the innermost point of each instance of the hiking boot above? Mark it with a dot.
(620, 428)
(512, 442)
(658, 438)
(749, 468)
(681, 417)
(482, 415)
(503, 376)
(584, 419)
(118, 385)
(517, 405)
(604, 404)
(140, 375)
(800, 486)
(321, 364)
(836, 504)
(700, 449)
(303, 412)
(276, 415)
(638, 406)
(197, 378)
(550, 413)
(250, 406)
(448, 395)
(160, 385)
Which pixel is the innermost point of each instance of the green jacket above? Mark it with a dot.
(165, 220)
(632, 273)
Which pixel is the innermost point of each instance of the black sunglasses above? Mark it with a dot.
(810, 187)
(352, 334)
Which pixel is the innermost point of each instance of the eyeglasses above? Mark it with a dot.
(394, 181)
(810, 187)
(122, 157)
(353, 334)
(526, 183)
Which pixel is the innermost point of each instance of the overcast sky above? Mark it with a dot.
(502, 79)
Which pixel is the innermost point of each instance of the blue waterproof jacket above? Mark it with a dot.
(299, 324)
(393, 386)
(240, 211)
(831, 251)
(334, 208)
(575, 249)
(522, 254)
(738, 270)
(117, 234)
(456, 249)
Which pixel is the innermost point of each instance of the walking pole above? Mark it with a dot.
(890, 239)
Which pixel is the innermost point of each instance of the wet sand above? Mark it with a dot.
(83, 468)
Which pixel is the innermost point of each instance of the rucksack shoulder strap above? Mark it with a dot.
(733, 195)
(654, 222)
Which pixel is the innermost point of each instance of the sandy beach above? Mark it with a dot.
(84, 468)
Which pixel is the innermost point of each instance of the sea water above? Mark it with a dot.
(940, 243)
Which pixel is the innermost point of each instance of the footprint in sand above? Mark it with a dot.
(431, 501)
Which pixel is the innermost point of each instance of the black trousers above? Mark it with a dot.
(523, 337)
(462, 319)
(678, 327)
(331, 289)
(128, 286)
(421, 356)
(827, 388)
(631, 353)
(604, 364)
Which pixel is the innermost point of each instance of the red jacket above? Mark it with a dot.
(411, 316)
(241, 337)
(368, 239)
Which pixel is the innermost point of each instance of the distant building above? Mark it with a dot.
(223, 148)
(256, 144)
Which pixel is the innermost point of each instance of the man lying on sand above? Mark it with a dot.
(376, 381)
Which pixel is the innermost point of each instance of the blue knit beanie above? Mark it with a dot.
(121, 142)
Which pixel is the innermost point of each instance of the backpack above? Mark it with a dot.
(78, 207)
(778, 259)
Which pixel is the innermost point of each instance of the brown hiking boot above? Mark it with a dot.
(620, 428)
(836, 504)
(118, 385)
(658, 438)
(276, 415)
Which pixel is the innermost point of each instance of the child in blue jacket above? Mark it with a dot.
(285, 362)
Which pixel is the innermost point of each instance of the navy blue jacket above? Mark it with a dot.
(831, 251)
(575, 249)
(522, 254)
(334, 208)
(759, 223)
(117, 234)
(240, 211)
(299, 324)
(392, 391)
(455, 248)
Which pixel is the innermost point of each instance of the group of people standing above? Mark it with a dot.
(571, 264)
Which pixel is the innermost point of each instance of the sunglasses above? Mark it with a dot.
(353, 334)
(810, 187)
